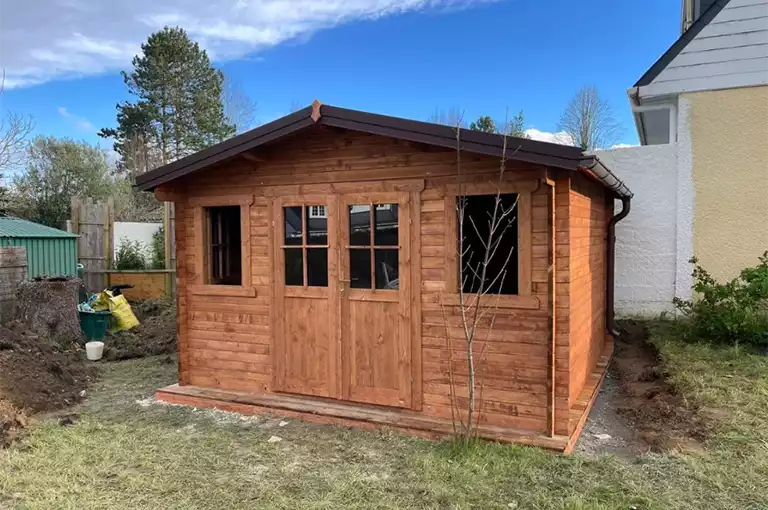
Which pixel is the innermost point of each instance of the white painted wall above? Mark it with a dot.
(133, 231)
(647, 240)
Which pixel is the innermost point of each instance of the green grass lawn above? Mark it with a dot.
(125, 452)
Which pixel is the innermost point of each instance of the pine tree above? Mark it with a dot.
(179, 109)
(514, 127)
(484, 124)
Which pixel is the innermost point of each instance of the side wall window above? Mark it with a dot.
(501, 269)
(224, 245)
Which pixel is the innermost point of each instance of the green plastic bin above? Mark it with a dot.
(94, 325)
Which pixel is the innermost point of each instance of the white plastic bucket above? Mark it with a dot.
(94, 350)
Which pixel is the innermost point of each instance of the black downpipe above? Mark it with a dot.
(611, 269)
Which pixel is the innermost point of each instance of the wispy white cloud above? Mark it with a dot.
(43, 40)
(624, 145)
(560, 137)
(79, 122)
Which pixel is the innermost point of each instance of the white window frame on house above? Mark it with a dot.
(317, 211)
(671, 108)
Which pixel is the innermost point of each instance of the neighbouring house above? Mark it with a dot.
(317, 275)
(707, 96)
(49, 251)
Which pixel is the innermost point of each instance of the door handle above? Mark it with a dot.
(342, 281)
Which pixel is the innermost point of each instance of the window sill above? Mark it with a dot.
(490, 300)
(222, 290)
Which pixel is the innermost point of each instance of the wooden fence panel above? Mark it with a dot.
(13, 270)
(94, 223)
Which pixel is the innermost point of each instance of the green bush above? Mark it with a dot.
(735, 312)
(157, 249)
(130, 256)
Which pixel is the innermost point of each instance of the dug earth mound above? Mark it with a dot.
(37, 376)
(155, 334)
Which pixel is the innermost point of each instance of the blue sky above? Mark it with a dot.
(406, 58)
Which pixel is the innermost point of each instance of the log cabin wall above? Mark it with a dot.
(227, 341)
(588, 238)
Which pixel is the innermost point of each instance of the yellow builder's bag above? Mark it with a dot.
(122, 315)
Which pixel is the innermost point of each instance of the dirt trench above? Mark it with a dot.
(637, 410)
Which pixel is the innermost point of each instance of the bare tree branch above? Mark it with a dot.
(472, 308)
(14, 133)
(453, 117)
(239, 108)
(589, 120)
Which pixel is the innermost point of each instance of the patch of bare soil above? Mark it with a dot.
(36, 376)
(659, 416)
(155, 334)
(637, 410)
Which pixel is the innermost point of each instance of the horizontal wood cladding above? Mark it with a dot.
(226, 341)
(587, 236)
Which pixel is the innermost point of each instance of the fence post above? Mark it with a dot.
(109, 233)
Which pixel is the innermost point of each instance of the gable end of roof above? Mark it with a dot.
(683, 41)
(511, 148)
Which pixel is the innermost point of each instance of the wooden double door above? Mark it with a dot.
(342, 288)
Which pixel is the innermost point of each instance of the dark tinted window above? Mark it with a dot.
(501, 273)
(224, 250)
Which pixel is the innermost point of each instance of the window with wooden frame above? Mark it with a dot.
(509, 272)
(374, 246)
(305, 246)
(222, 246)
(499, 273)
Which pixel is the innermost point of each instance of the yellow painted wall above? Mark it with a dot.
(729, 145)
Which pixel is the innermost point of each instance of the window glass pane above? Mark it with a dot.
(316, 211)
(317, 267)
(317, 225)
(387, 269)
(386, 225)
(360, 269)
(360, 225)
(293, 228)
(501, 275)
(294, 266)
(224, 266)
(216, 264)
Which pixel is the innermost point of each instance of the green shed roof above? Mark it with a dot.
(15, 227)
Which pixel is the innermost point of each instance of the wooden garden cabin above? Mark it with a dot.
(317, 272)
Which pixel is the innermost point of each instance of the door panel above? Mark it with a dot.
(346, 336)
(305, 317)
(375, 296)
(373, 356)
(307, 347)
